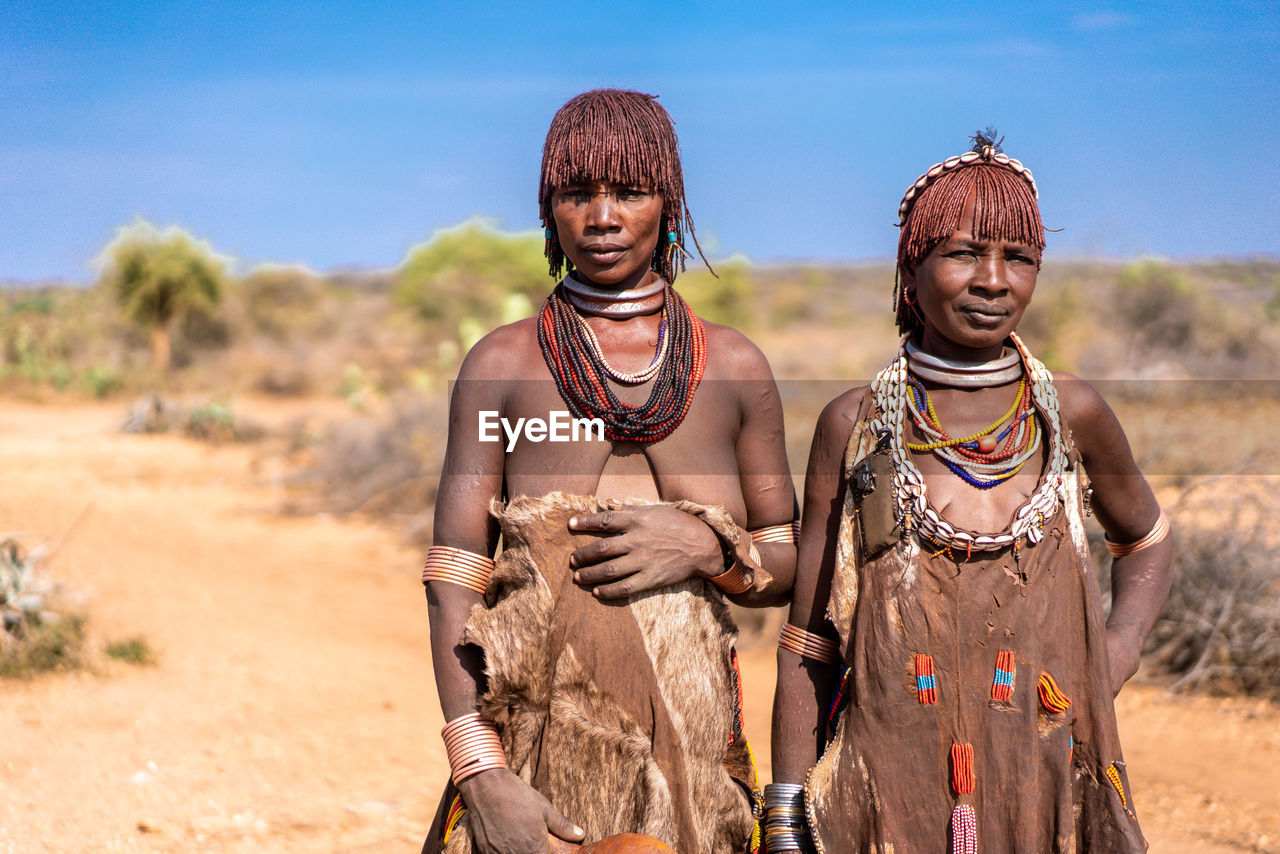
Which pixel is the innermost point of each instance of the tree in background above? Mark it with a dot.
(469, 278)
(159, 276)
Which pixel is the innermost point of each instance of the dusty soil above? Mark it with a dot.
(292, 707)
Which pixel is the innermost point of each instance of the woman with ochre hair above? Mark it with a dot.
(946, 661)
(588, 676)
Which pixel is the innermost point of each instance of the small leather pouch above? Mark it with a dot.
(871, 480)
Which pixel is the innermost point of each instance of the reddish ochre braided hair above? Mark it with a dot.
(1004, 208)
(622, 137)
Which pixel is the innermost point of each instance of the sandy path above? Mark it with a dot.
(292, 708)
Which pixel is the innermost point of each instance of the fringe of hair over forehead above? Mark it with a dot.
(622, 137)
(1004, 208)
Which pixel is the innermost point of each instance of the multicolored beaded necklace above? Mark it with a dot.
(978, 459)
(577, 363)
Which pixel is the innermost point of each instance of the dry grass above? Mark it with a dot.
(385, 464)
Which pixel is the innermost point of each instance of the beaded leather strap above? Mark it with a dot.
(1158, 532)
(455, 566)
(472, 745)
(734, 580)
(788, 532)
(808, 645)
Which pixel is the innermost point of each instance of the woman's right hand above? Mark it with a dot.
(510, 817)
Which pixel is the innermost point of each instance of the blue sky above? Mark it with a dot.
(342, 134)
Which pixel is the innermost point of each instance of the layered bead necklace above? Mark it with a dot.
(577, 363)
(988, 456)
(896, 396)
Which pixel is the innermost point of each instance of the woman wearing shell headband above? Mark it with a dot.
(946, 654)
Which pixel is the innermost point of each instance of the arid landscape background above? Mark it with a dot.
(241, 532)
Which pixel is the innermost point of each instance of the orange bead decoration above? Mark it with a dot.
(987, 444)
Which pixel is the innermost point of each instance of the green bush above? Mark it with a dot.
(1272, 309)
(463, 277)
(134, 650)
(728, 297)
(100, 381)
(214, 422)
(41, 302)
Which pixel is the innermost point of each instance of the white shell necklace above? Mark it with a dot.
(890, 391)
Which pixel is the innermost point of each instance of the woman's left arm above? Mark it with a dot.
(765, 478)
(1129, 513)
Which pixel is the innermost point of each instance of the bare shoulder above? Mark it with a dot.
(1080, 404)
(841, 414)
(836, 422)
(1094, 427)
(732, 354)
(504, 353)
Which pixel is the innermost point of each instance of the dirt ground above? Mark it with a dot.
(292, 707)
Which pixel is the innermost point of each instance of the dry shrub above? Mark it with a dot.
(1192, 317)
(1157, 305)
(50, 643)
(211, 421)
(281, 302)
(1219, 632)
(382, 465)
(35, 636)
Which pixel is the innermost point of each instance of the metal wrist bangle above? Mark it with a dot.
(784, 795)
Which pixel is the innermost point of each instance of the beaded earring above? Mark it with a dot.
(673, 246)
